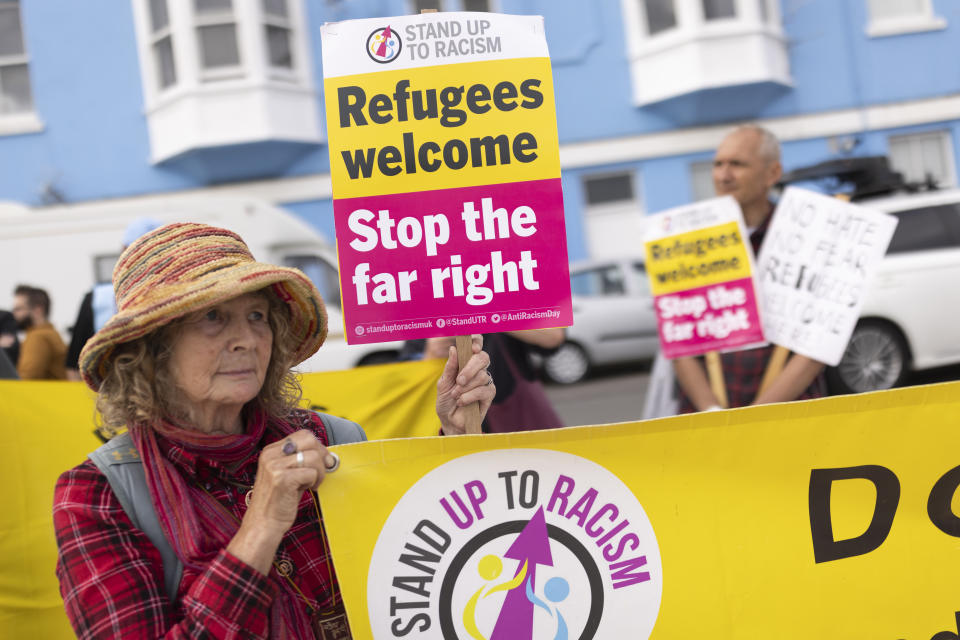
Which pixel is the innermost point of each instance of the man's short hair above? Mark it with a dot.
(35, 297)
(769, 145)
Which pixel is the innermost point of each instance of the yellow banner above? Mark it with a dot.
(697, 259)
(833, 518)
(440, 127)
(48, 427)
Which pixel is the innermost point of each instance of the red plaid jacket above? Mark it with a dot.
(743, 370)
(111, 575)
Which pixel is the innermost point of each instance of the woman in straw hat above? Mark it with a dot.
(196, 364)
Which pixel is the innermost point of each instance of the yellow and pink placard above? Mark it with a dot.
(701, 273)
(444, 159)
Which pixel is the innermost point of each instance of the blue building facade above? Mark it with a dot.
(140, 99)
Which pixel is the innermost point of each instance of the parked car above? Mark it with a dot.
(613, 319)
(909, 317)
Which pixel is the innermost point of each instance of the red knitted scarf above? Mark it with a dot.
(196, 524)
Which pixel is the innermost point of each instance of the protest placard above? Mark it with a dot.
(814, 269)
(780, 521)
(700, 267)
(446, 175)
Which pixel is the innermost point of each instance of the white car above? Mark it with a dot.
(613, 319)
(910, 314)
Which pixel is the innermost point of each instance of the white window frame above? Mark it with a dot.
(220, 18)
(249, 19)
(924, 20)
(261, 101)
(280, 22)
(949, 159)
(155, 36)
(693, 44)
(616, 205)
(627, 215)
(20, 122)
(692, 24)
(454, 5)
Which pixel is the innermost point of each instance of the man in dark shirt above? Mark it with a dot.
(746, 166)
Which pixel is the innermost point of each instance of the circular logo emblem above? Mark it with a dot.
(441, 323)
(383, 45)
(495, 317)
(359, 330)
(526, 544)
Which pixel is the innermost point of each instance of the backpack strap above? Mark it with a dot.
(340, 430)
(119, 461)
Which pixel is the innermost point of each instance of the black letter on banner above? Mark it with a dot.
(949, 635)
(825, 548)
(938, 506)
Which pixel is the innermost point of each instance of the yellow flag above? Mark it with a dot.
(48, 427)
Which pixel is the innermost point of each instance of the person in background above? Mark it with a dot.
(747, 166)
(521, 404)
(42, 352)
(9, 341)
(196, 364)
(99, 304)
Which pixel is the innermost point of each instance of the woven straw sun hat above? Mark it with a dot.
(185, 267)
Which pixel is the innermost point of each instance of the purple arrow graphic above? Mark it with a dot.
(532, 547)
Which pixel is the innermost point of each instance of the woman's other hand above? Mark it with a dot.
(285, 470)
(456, 390)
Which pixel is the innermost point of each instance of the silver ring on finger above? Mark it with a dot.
(489, 378)
(299, 459)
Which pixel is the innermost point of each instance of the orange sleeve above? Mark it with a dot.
(34, 354)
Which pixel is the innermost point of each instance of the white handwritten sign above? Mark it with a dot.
(814, 268)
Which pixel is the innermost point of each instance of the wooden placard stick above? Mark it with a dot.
(464, 351)
(715, 374)
(778, 359)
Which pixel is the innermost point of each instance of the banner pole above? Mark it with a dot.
(464, 351)
(715, 373)
(778, 359)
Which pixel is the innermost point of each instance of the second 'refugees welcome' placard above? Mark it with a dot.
(702, 278)
(446, 175)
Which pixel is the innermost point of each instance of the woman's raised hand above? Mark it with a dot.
(456, 389)
(285, 470)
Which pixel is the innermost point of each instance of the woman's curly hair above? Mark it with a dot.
(138, 388)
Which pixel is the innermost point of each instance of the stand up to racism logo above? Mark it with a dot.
(383, 45)
(518, 544)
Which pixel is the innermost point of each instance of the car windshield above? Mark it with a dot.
(640, 275)
(935, 227)
(598, 281)
(323, 276)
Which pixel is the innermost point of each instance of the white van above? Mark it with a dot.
(67, 249)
